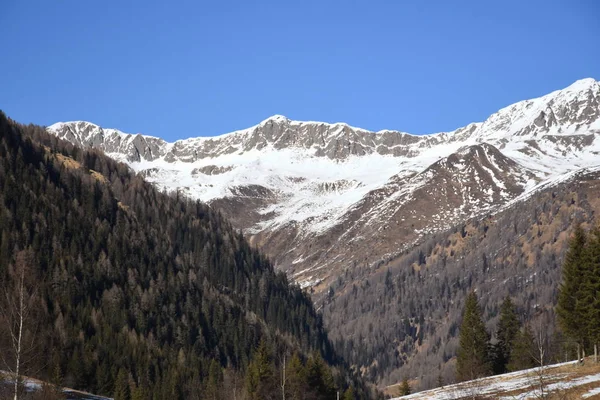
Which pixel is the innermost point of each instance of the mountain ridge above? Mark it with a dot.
(578, 85)
(285, 183)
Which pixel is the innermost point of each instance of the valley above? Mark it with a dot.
(388, 230)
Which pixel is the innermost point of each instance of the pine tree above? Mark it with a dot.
(569, 307)
(349, 394)
(473, 356)
(296, 378)
(591, 290)
(121, 391)
(523, 351)
(57, 377)
(138, 392)
(215, 381)
(508, 326)
(404, 387)
(261, 383)
(319, 378)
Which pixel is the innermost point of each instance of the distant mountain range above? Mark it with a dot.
(319, 197)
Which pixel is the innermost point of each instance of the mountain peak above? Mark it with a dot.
(582, 84)
(572, 110)
(59, 125)
(277, 118)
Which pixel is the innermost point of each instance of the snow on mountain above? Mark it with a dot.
(288, 183)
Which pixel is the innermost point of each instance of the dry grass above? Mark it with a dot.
(557, 379)
(98, 176)
(68, 161)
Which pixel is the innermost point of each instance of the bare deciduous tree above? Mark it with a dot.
(540, 376)
(283, 378)
(17, 314)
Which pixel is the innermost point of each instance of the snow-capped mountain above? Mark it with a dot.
(318, 197)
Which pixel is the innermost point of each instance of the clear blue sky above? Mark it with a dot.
(179, 69)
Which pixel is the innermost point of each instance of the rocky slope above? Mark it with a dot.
(320, 197)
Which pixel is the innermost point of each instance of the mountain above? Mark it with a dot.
(126, 289)
(391, 230)
(319, 197)
(400, 317)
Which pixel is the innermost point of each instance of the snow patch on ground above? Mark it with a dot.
(592, 392)
(521, 381)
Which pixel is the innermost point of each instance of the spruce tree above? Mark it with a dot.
(473, 356)
(523, 351)
(508, 326)
(215, 381)
(261, 383)
(138, 392)
(591, 290)
(121, 391)
(349, 394)
(319, 378)
(296, 378)
(569, 308)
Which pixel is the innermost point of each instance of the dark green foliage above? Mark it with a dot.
(578, 306)
(473, 359)
(215, 381)
(404, 388)
(261, 382)
(295, 378)
(570, 305)
(139, 392)
(122, 386)
(133, 280)
(349, 394)
(312, 379)
(508, 326)
(319, 379)
(523, 351)
(591, 288)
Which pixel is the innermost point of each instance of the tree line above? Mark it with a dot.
(477, 356)
(401, 317)
(578, 306)
(518, 346)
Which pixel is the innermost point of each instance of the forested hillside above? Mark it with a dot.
(135, 293)
(401, 318)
